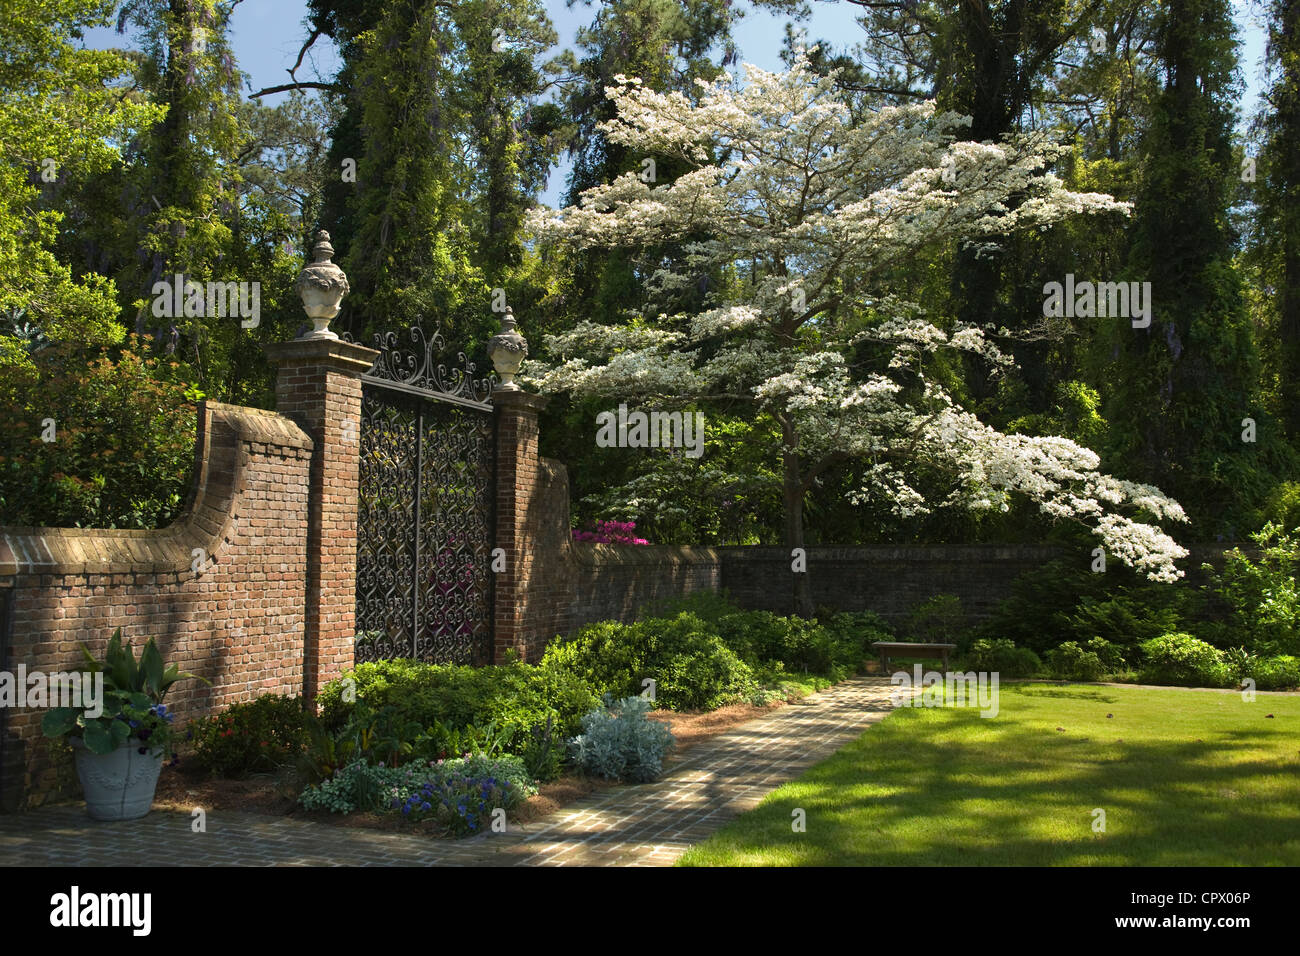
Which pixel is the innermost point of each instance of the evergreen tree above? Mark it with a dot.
(1277, 194)
(1182, 385)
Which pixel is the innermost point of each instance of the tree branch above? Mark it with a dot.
(303, 85)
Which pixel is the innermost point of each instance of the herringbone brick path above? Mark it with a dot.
(645, 825)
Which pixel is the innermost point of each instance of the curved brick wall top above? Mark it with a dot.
(207, 523)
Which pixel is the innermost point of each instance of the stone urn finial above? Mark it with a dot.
(507, 350)
(322, 286)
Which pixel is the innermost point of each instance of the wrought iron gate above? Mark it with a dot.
(424, 522)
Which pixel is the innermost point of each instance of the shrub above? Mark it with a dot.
(619, 742)
(1072, 662)
(1003, 657)
(761, 637)
(259, 735)
(1263, 594)
(357, 786)
(1065, 601)
(1240, 663)
(515, 698)
(1125, 619)
(1184, 660)
(852, 635)
(124, 447)
(691, 666)
(709, 606)
(1111, 657)
(1277, 673)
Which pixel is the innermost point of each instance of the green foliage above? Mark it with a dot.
(1124, 618)
(123, 449)
(256, 736)
(460, 793)
(690, 664)
(131, 707)
(620, 742)
(1072, 662)
(1003, 657)
(1183, 660)
(1064, 601)
(515, 698)
(63, 114)
(1283, 505)
(1263, 594)
(1180, 388)
(1277, 673)
(357, 786)
(936, 620)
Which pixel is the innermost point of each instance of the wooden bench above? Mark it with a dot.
(888, 649)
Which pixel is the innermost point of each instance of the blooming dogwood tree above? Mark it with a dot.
(807, 209)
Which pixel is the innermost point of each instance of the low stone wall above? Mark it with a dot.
(237, 621)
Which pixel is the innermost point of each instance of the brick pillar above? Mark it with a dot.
(517, 467)
(319, 387)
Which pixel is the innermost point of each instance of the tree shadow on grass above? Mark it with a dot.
(1067, 693)
(903, 795)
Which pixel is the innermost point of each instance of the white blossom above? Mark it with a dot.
(780, 174)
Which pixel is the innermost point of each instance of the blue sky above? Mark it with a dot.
(267, 35)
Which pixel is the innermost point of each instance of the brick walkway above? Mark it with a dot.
(644, 825)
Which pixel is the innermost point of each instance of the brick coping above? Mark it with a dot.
(226, 433)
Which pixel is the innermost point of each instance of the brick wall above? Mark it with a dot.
(553, 585)
(618, 581)
(893, 580)
(318, 386)
(238, 621)
(889, 581)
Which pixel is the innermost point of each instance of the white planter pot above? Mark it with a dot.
(120, 785)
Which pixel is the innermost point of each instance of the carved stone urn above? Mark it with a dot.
(507, 350)
(322, 286)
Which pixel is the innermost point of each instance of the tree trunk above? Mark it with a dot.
(793, 497)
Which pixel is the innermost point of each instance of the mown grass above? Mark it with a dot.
(1185, 778)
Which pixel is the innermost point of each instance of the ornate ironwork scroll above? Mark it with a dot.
(417, 366)
(424, 521)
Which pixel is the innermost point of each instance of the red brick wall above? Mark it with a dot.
(552, 585)
(238, 623)
(319, 387)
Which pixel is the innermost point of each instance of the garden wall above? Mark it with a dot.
(887, 580)
(233, 613)
(565, 583)
(893, 580)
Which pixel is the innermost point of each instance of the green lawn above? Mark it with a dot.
(1185, 777)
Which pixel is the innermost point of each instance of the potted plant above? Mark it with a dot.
(119, 750)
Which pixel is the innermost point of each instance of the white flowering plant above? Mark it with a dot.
(804, 211)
